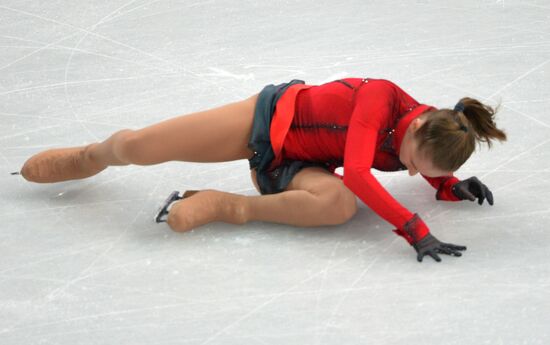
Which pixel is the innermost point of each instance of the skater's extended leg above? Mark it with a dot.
(216, 135)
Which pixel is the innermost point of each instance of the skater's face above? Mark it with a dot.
(415, 160)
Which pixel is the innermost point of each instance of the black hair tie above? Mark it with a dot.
(459, 107)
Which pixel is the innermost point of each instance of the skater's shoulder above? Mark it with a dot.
(381, 82)
(378, 86)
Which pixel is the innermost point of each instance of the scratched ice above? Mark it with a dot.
(82, 262)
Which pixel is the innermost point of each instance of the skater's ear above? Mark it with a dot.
(417, 123)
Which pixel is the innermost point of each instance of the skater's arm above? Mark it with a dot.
(370, 112)
(366, 121)
(359, 178)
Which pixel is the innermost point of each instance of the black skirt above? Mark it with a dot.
(277, 180)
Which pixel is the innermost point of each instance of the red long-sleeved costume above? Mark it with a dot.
(358, 124)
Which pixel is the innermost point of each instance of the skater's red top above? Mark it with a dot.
(358, 124)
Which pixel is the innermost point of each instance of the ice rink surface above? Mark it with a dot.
(82, 262)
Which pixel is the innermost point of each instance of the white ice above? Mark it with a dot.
(82, 262)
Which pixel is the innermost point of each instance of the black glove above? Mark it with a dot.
(432, 246)
(471, 189)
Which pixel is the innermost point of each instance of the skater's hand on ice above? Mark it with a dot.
(429, 245)
(473, 189)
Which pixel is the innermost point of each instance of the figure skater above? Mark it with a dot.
(294, 136)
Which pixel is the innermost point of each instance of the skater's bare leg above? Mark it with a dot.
(313, 198)
(216, 135)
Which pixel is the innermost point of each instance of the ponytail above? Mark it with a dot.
(481, 119)
(449, 135)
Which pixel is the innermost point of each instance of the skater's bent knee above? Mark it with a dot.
(340, 205)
